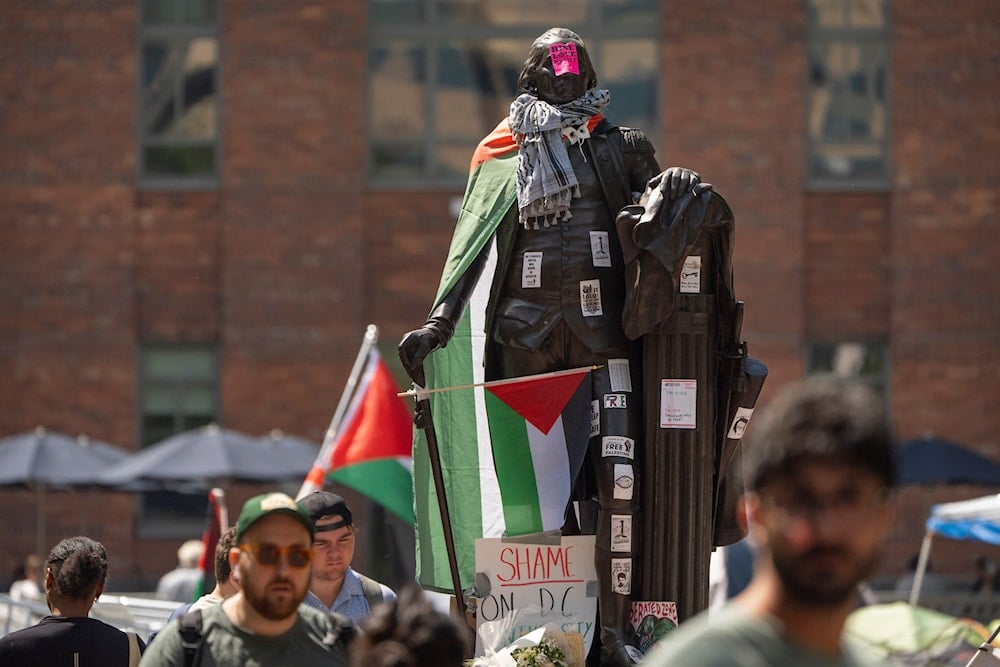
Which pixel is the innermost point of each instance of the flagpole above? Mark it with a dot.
(421, 392)
(422, 419)
(370, 339)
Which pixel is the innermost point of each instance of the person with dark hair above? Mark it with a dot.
(819, 474)
(408, 632)
(76, 572)
(263, 623)
(335, 586)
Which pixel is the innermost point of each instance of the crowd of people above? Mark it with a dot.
(819, 473)
(285, 594)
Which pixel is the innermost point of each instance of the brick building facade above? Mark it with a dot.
(283, 260)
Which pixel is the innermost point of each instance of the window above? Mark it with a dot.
(179, 93)
(178, 391)
(868, 361)
(442, 74)
(847, 105)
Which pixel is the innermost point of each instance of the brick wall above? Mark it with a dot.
(293, 255)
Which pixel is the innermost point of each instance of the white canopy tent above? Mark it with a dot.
(976, 519)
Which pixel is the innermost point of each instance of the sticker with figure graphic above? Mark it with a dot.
(600, 251)
(621, 575)
(621, 532)
(739, 424)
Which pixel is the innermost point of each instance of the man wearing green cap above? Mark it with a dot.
(263, 623)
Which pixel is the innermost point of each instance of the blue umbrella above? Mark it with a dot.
(930, 460)
(43, 459)
(46, 458)
(207, 456)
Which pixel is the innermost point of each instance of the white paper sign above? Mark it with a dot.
(600, 250)
(690, 282)
(590, 298)
(678, 403)
(536, 584)
(531, 270)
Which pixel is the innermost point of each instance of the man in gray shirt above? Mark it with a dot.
(819, 470)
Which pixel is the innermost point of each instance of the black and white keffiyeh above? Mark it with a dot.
(545, 180)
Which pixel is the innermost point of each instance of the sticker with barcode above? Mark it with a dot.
(621, 379)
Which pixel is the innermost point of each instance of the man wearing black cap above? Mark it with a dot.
(335, 586)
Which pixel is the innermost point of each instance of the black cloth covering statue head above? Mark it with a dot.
(558, 68)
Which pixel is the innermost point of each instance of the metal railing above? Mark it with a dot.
(126, 612)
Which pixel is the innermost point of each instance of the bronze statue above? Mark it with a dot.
(559, 289)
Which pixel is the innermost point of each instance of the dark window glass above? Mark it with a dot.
(847, 112)
(178, 392)
(179, 91)
(867, 361)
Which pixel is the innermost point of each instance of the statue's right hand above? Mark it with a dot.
(414, 348)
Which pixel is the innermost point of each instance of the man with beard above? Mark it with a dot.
(819, 473)
(335, 586)
(263, 623)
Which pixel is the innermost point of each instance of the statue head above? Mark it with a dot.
(558, 69)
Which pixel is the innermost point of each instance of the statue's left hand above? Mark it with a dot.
(675, 182)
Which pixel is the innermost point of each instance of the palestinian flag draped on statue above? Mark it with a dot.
(369, 450)
(467, 421)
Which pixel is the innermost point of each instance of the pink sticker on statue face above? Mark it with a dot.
(564, 60)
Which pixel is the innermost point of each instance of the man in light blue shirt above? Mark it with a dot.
(334, 585)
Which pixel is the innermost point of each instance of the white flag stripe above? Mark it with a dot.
(548, 454)
(490, 502)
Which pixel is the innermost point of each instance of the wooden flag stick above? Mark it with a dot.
(420, 393)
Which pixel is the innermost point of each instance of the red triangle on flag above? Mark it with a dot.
(381, 426)
(540, 399)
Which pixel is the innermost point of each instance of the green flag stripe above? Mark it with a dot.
(386, 481)
(513, 461)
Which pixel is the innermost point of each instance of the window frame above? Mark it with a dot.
(154, 526)
(878, 380)
(432, 33)
(863, 37)
(171, 32)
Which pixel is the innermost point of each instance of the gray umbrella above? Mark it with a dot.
(43, 459)
(207, 456)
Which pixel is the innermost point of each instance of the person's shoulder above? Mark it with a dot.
(327, 624)
(717, 639)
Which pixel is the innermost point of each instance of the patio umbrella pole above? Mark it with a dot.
(918, 578)
(40, 523)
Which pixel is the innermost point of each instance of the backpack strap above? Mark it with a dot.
(344, 631)
(190, 627)
(372, 589)
(133, 649)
